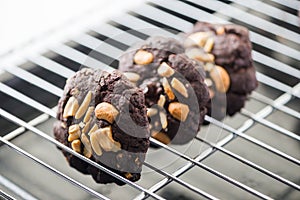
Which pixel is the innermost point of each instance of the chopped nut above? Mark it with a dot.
(128, 175)
(132, 77)
(208, 67)
(220, 30)
(221, 78)
(85, 104)
(85, 141)
(71, 107)
(106, 141)
(81, 125)
(106, 111)
(193, 52)
(120, 156)
(87, 153)
(74, 91)
(86, 127)
(88, 114)
(179, 111)
(161, 101)
(151, 112)
(168, 89)
(200, 55)
(95, 144)
(209, 45)
(72, 137)
(163, 120)
(102, 139)
(74, 129)
(93, 129)
(208, 82)
(76, 145)
(143, 57)
(63, 125)
(165, 70)
(162, 137)
(199, 38)
(137, 161)
(205, 57)
(179, 87)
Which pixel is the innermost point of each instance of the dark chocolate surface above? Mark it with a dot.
(115, 89)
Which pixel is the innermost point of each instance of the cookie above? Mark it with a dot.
(173, 85)
(103, 117)
(225, 50)
(150, 53)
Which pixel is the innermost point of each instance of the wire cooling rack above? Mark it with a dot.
(254, 154)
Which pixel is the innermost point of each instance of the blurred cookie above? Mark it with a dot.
(173, 85)
(225, 51)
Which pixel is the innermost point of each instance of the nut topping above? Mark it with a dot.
(72, 137)
(94, 142)
(74, 129)
(162, 137)
(165, 70)
(74, 92)
(205, 57)
(71, 107)
(209, 45)
(128, 175)
(103, 138)
(86, 127)
(87, 145)
(220, 30)
(85, 104)
(161, 101)
(179, 111)
(106, 111)
(163, 120)
(151, 112)
(199, 38)
(208, 67)
(107, 142)
(179, 86)
(81, 124)
(208, 82)
(93, 129)
(168, 89)
(221, 78)
(132, 77)
(76, 145)
(198, 54)
(143, 57)
(74, 132)
(63, 125)
(88, 113)
(87, 153)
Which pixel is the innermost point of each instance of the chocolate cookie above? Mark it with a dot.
(150, 53)
(103, 117)
(173, 85)
(225, 50)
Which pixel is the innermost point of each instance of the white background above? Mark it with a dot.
(22, 21)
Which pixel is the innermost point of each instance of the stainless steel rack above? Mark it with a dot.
(254, 154)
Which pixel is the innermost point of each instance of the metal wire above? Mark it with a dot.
(55, 171)
(67, 149)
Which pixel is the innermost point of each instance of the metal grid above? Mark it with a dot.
(262, 140)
